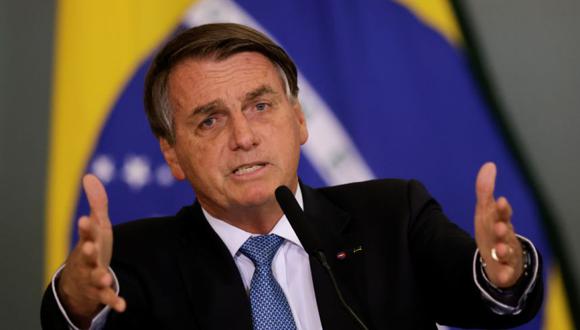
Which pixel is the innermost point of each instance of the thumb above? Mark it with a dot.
(485, 183)
(97, 197)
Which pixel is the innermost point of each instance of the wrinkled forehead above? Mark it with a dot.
(247, 68)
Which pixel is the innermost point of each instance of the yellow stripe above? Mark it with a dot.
(557, 314)
(99, 45)
(437, 14)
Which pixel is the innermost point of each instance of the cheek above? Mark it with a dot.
(205, 159)
(288, 140)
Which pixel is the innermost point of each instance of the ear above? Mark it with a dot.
(301, 122)
(170, 156)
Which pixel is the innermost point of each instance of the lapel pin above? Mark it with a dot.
(343, 254)
(357, 249)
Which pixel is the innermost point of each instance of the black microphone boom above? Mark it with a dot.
(310, 241)
(297, 220)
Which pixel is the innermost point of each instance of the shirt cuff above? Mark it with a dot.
(98, 322)
(510, 301)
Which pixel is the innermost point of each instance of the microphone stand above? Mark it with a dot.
(322, 259)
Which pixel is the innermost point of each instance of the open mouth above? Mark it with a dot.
(249, 168)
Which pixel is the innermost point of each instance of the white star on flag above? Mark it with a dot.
(164, 176)
(104, 168)
(136, 172)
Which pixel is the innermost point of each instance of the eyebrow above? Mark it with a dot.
(206, 108)
(260, 91)
(211, 106)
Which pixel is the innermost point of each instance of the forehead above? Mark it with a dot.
(204, 80)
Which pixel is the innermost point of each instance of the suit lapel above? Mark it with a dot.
(333, 228)
(209, 271)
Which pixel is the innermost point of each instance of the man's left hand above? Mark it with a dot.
(495, 236)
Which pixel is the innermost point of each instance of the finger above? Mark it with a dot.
(97, 197)
(89, 254)
(120, 305)
(501, 231)
(101, 278)
(485, 184)
(86, 230)
(505, 277)
(503, 252)
(504, 209)
(109, 297)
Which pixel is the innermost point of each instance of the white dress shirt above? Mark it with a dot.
(291, 266)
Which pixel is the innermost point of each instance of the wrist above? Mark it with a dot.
(525, 269)
(79, 308)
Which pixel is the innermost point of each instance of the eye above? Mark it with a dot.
(208, 122)
(260, 107)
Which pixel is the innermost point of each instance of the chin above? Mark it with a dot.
(256, 196)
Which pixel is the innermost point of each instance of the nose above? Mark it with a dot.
(242, 134)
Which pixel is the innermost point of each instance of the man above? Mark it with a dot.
(223, 101)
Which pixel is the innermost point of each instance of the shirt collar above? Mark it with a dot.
(235, 237)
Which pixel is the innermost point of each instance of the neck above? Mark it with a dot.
(256, 220)
(259, 220)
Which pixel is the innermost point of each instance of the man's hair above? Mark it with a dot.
(213, 41)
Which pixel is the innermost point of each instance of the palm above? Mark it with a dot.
(86, 283)
(494, 232)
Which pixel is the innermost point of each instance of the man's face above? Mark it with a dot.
(237, 134)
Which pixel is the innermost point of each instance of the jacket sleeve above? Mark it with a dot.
(443, 255)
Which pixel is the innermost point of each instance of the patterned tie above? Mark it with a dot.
(270, 309)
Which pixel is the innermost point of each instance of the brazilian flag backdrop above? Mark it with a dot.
(385, 86)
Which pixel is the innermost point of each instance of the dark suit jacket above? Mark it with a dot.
(412, 267)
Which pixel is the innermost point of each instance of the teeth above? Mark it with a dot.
(248, 169)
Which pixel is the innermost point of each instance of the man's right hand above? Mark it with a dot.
(86, 284)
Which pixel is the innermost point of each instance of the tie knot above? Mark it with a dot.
(261, 249)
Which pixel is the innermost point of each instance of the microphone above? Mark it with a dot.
(297, 220)
(310, 241)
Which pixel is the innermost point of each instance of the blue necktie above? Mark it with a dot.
(270, 309)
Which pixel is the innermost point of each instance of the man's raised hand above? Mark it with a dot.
(86, 284)
(494, 233)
